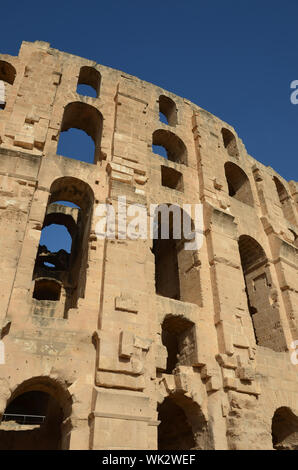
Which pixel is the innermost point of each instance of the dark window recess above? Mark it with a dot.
(46, 289)
(167, 111)
(171, 178)
(238, 184)
(260, 294)
(230, 143)
(178, 338)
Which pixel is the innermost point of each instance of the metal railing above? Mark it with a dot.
(24, 419)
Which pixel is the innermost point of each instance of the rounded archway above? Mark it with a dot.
(285, 429)
(34, 418)
(260, 293)
(238, 184)
(175, 148)
(182, 425)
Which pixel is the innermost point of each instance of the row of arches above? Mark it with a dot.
(88, 83)
(85, 145)
(62, 254)
(63, 268)
(177, 277)
(38, 415)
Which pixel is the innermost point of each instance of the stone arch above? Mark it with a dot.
(47, 289)
(71, 189)
(285, 429)
(285, 201)
(7, 77)
(261, 295)
(7, 72)
(37, 416)
(174, 146)
(167, 108)
(183, 425)
(87, 118)
(66, 269)
(238, 183)
(91, 77)
(230, 143)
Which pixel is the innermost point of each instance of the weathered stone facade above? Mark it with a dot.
(139, 344)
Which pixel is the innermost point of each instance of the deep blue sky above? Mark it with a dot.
(235, 58)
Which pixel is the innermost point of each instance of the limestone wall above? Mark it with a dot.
(102, 348)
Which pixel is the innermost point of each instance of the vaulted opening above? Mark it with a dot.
(285, 429)
(238, 184)
(47, 289)
(80, 133)
(261, 295)
(167, 110)
(285, 201)
(174, 148)
(7, 72)
(182, 425)
(230, 142)
(34, 417)
(62, 256)
(89, 82)
(7, 77)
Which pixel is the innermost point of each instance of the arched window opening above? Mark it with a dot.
(167, 111)
(85, 118)
(176, 273)
(63, 254)
(7, 72)
(285, 429)
(34, 417)
(178, 336)
(260, 294)
(171, 178)
(238, 184)
(230, 142)
(173, 145)
(285, 201)
(32, 421)
(182, 425)
(47, 289)
(89, 82)
(7, 77)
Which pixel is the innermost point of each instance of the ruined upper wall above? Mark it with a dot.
(41, 101)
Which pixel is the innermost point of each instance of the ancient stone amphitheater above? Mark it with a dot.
(139, 343)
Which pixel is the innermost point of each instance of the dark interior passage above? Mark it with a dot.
(174, 431)
(32, 421)
(285, 429)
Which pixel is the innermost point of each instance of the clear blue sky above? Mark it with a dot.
(235, 58)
